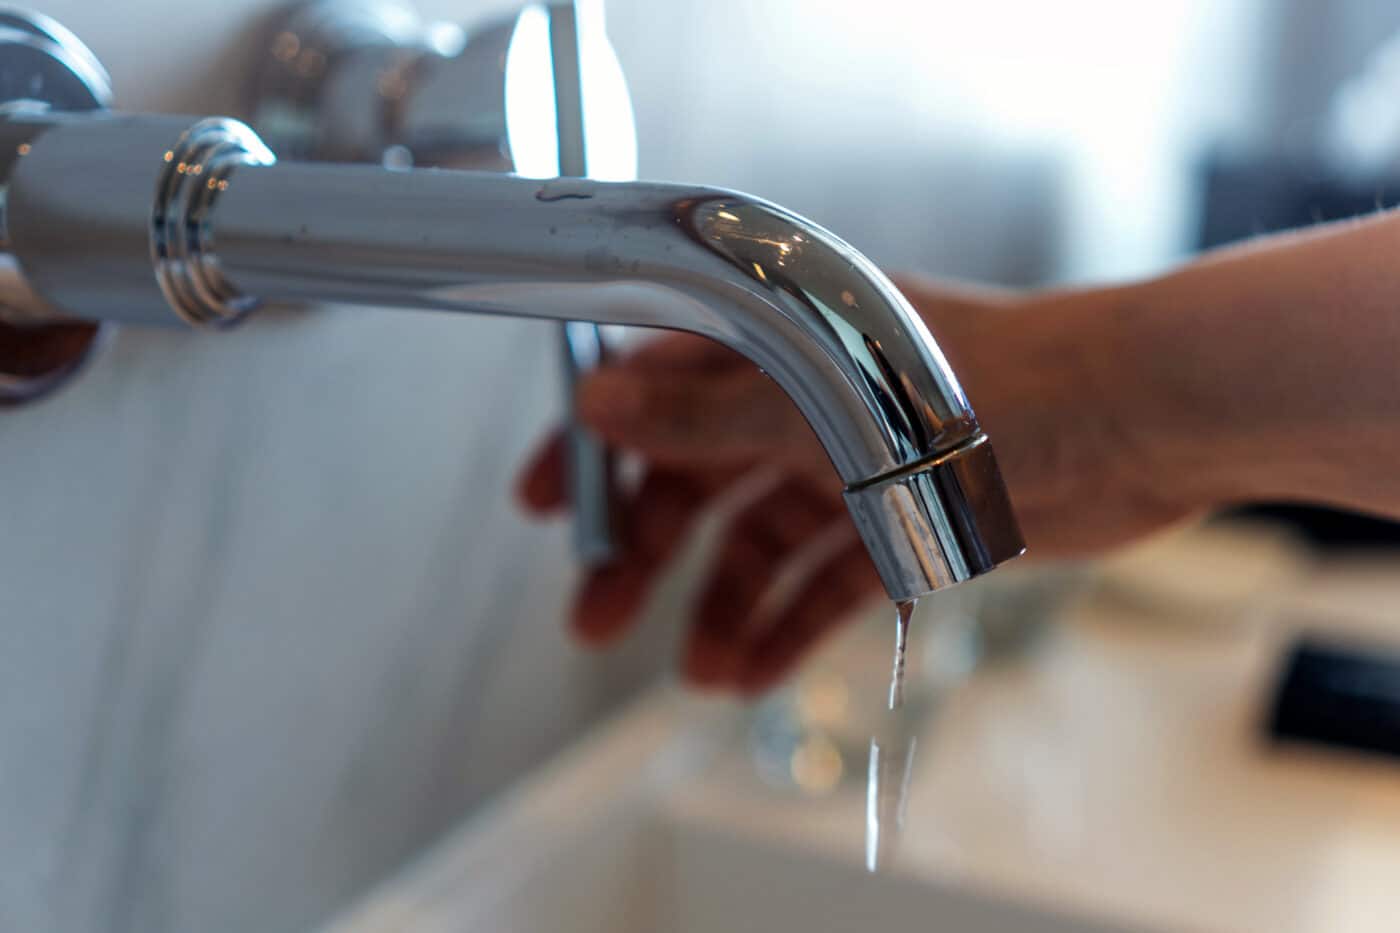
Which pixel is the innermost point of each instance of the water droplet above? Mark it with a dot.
(891, 758)
(903, 612)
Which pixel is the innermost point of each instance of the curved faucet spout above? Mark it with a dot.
(812, 312)
(234, 228)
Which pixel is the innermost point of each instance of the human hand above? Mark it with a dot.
(702, 418)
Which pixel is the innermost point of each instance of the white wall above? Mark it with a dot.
(1009, 140)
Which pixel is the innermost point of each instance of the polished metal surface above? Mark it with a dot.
(592, 477)
(330, 75)
(818, 317)
(582, 343)
(369, 81)
(197, 171)
(108, 215)
(42, 67)
(955, 502)
(106, 225)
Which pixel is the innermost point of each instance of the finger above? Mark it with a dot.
(684, 419)
(542, 485)
(655, 522)
(762, 540)
(830, 598)
(607, 601)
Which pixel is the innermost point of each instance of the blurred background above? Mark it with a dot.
(1033, 145)
(269, 623)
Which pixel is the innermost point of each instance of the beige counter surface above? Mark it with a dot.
(1119, 776)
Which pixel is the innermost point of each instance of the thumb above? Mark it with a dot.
(681, 417)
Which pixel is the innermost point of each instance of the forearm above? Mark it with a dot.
(1268, 371)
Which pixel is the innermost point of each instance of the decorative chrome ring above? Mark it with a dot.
(198, 170)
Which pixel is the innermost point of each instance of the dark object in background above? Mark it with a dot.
(1338, 695)
(1248, 197)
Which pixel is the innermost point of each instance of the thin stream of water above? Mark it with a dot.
(891, 758)
(903, 612)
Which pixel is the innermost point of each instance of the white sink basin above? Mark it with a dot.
(605, 841)
(1117, 782)
(665, 876)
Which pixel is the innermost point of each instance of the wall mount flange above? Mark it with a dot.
(44, 66)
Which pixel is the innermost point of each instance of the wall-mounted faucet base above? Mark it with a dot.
(42, 67)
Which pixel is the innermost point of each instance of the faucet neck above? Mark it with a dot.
(808, 309)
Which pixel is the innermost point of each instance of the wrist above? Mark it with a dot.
(1047, 377)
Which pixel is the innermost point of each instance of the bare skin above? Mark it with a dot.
(1265, 372)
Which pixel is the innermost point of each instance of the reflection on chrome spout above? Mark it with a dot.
(234, 229)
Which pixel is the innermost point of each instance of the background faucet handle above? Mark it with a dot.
(540, 94)
(583, 344)
(370, 81)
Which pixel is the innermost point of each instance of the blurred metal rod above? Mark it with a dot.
(581, 342)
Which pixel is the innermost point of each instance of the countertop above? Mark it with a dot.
(1120, 774)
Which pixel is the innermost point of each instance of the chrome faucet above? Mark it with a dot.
(145, 219)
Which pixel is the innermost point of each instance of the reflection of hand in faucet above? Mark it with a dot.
(1258, 373)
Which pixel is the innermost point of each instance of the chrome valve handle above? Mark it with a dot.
(540, 94)
(582, 343)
